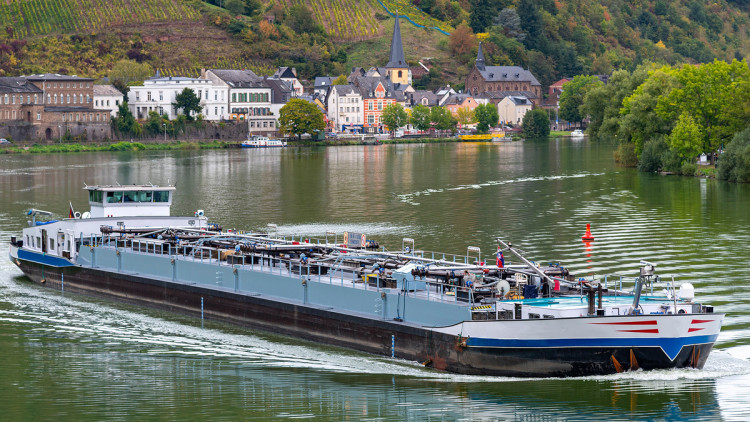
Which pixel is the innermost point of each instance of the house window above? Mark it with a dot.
(78, 117)
(38, 115)
(68, 98)
(371, 119)
(28, 99)
(216, 111)
(91, 117)
(161, 96)
(216, 95)
(74, 99)
(369, 105)
(234, 97)
(55, 98)
(96, 103)
(148, 95)
(400, 74)
(380, 105)
(13, 99)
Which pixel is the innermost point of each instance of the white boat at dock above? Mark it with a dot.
(262, 142)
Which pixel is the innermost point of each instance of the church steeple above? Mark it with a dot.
(397, 69)
(397, 50)
(480, 58)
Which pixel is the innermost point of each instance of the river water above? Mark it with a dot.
(67, 357)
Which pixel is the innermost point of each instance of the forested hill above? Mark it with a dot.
(554, 38)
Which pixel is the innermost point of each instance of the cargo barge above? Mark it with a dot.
(452, 313)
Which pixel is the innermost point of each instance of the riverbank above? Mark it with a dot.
(188, 145)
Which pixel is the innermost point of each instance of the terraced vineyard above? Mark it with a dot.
(406, 8)
(344, 19)
(260, 69)
(36, 17)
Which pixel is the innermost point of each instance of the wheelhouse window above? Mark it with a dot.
(96, 196)
(161, 196)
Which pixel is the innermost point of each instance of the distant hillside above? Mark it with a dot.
(554, 38)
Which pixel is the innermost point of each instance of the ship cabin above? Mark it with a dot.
(132, 200)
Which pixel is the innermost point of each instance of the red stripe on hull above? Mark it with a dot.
(701, 321)
(690, 330)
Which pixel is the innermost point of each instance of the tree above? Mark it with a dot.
(510, 23)
(462, 41)
(532, 22)
(481, 14)
(686, 138)
(124, 122)
(126, 71)
(394, 116)
(536, 124)
(421, 117)
(465, 116)
(442, 119)
(237, 7)
(340, 80)
(299, 116)
(571, 99)
(486, 115)
(188, 102)
(734, 164)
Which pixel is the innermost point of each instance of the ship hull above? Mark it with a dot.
(452, 349)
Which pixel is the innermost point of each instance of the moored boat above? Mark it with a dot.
(455, 313)
(262, 142)
(577, 134)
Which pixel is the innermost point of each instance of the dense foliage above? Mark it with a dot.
(536, 124)
(668, 116)
(394, 116)
(486, 116)
(299, 117)
(734, 164)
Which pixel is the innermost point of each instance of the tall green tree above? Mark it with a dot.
(124, 121)
(442, 119)
(481, 14)
(734, 164)
(486, 116)
(421, 117)
(716, 95)
(394, 116)
(188, 102)
(571, 99)
(299, 116)
(536, 124)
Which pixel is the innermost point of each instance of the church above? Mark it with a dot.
(498, 82)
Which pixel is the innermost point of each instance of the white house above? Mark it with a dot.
(289, 75)
(248, 98)
(511, 109)
(159, 93)
(345, 108)
(107, 97)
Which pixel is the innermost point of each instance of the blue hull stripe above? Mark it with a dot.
(52, 261)
(670, 346)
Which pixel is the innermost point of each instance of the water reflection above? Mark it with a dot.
(104, 361)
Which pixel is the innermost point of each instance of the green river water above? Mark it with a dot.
(67, 357)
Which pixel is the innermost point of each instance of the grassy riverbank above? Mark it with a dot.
(176, 145)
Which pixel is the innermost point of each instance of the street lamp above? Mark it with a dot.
(59, 130)
(165, 131)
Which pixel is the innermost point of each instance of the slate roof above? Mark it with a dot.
(285, 72)
(281, 92)
(322, 82)
(14, 84)
(57, 77)
(417, 96)
(239, 78)
(457, 99)
(397, 50)
(106, 91)
(519, 100)
(508, 74)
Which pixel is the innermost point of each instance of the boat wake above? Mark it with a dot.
(411, 198)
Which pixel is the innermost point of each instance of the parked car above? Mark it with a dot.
(4, 141)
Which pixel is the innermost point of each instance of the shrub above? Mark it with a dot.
(689, 169)
(734, 163)
(651, 157)
(625, 155)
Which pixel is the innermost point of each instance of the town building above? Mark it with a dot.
(512, 109)
(248, 98)
(107, 97)
(345, 108)
(321, 85)
(281, 93)
(50, 106)
(460, 100)
(158, 94)
(508, 80)
(289, 75)
(421, 97)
